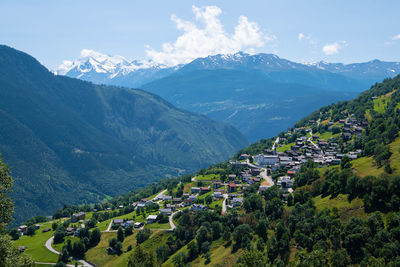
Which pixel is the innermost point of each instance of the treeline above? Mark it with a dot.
(378, 193)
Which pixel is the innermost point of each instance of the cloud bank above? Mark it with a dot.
(332, 49)
(211, 39)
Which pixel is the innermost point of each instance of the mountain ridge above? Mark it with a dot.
(89, 60)
(68, 135)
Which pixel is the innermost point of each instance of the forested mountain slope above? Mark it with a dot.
(70, 141)
(333, 214)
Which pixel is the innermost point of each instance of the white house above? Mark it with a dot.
(266, 159)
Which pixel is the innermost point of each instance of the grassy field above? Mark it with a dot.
(221, 255)
(208, 177)
(217, 202)
(285, 147)
(59, 246)
(100, 257)
(35, 245)
(366, 166)
(327, 135)
(346, 210)
(395, 158)
(381, 103)
(158, 226)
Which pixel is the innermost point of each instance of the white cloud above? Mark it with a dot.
(301, 36)
(396, 37)
(211, 39)
(333, 48)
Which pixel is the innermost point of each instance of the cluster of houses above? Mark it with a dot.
(324, 152)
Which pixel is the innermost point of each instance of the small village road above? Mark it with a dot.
(160, 194)
(171, 222)
(264, 175)
(275, 143)
(51, 249)
(224, 204)
(109, 226)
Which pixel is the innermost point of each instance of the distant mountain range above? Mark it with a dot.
(70, 141)
(259, 94)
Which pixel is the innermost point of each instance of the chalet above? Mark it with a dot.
(118, 222)
(285, 182)
(177, 200)
(237, 164)
(167, 211)
(192, 197)
(171, 206)
(222, 190)
(232, 177)
(140, 205)
(23, 228)
(346, 136)
(232, 196)
(204, 189)
(121, 206)
(291, 173)
(138, 224)
(166, 198)
(217, 195)
(243, 156)
(151, 218)
(186, 195)
(129, 223)
(197, 207)
(76, 233)
(232, 187)
(45, 230)
(69, 231)
(195, 190)
(78, 216)
(295, 148)
(255, 171)
(217, 185)
(149, 202)
(187, 202)
(237, 202)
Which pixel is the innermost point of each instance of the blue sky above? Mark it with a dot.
(334, 31)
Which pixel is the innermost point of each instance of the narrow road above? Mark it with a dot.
(160, 194)
(171, 222)
(264, 175)
(224, 204)
(51, 249)
(315, 145)
(109, 226)
(275, 143)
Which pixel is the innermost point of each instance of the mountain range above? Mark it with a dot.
(70, 141)
(261, 95)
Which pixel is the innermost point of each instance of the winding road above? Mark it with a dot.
(51, 249)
